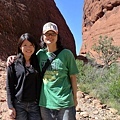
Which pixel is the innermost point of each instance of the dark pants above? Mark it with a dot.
(27, 111)
(62, 114)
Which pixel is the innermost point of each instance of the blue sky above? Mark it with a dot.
(72, 11)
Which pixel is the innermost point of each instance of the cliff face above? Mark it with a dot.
(101, 17)
(18, 17)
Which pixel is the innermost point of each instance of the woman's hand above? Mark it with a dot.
(12, 113)
(10, 60)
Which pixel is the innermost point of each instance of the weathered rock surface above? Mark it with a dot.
(101, 17)
(18, 17)
(88, 107)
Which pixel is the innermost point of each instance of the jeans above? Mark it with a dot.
(62, 114)
(27, 111)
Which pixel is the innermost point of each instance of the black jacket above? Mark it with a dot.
(15, 82)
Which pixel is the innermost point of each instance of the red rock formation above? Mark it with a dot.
(18, 17)
(101, 17)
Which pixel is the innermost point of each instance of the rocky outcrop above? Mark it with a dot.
(18, 17)
(101, 17)
(90, 108)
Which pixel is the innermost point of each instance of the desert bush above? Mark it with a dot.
(107, 53)
(102, 84)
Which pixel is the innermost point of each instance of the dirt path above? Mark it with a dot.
(88, 107)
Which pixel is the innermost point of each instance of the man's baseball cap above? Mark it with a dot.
(50, 26)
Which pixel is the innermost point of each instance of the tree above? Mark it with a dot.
(107, 52)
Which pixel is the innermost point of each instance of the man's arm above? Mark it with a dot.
(74, 88)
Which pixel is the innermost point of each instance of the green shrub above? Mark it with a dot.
(115, 90)
(100, 83)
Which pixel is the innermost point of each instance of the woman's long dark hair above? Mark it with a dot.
(33, 59)
(43, 44)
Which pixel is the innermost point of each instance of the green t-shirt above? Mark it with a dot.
(56, 90)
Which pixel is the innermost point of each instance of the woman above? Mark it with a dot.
(58, 94)
(23, 81)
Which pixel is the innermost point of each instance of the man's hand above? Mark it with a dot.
(10, 60)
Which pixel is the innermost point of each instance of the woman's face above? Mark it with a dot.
(27, 49)
(50, 37)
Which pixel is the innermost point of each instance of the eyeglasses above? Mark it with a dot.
(50, 34)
